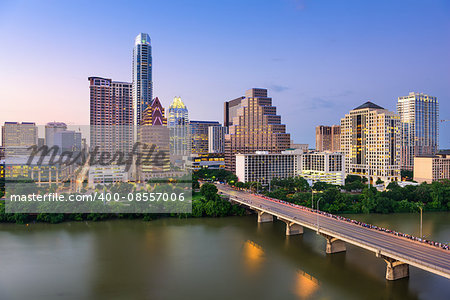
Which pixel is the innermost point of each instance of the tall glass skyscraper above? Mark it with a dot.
(419, 114)
(142, 76)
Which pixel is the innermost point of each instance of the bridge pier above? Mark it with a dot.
(292, 228)
(396, 269)
(334, 245)
(264, 217)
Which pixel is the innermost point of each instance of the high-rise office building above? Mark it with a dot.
(370, 141)
(230, 111)
(67, 141)
(154, 114)
(111, 117)
(216, 139)
(16, 134)
(419, 116)
(178, 123)
(199, 135)
(256, 127)
(328, 138)
(142, 75)
(40, 142)
(50, 130)
(155, 138)
(154, 135)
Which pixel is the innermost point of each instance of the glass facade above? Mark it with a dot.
(178, 123)
(199, 135)
(419, 114)
(142, 76)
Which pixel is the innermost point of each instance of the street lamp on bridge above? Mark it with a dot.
(317, 205)
(420, 206)
(312, 196)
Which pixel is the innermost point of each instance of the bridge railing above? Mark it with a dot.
(368, 246)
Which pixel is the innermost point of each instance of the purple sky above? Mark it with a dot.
(319, 59)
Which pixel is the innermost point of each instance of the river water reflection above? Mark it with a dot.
(227, 258)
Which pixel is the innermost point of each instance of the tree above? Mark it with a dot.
(383, 204)
(321, 186)
(195, 184)
(253, 185)
(239, 185)
(209, 191)
(301, 184)
(379, 181)
(352, 178)
(231, 178)
(406, 175)
(392, 185)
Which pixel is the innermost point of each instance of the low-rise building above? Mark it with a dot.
(262, 167)
(314, 166)
(47, 171)
(431, 168)
(326, 167)
(107, 174)
(303, 147)
(210, 161)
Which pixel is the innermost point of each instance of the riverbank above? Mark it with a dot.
(173, 258)
(204, 204)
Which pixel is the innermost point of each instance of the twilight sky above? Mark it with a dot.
(319, 59)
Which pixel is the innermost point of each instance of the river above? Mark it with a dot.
(223, 258)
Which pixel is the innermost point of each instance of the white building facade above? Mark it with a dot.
(326, 167)
(262, 167)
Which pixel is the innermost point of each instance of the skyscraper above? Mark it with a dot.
(230, 111)
(111, 117)
(370, 141)
(199, 135)
(154, 114)
(142, 76)
(216, 139)
(419, 116)
(50, 130)
(256, 127)
(16, 134)
(328, 138)
(67, 140)
(154, 135)
(178, 123)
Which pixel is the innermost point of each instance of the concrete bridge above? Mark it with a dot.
(398, 252)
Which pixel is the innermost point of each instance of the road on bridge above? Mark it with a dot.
(421, 255)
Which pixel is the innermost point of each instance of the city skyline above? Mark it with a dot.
(316, 70)
(301, 147)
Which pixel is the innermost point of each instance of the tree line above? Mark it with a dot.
(355, 196)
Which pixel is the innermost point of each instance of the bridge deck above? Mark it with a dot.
(420, 255)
